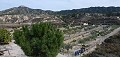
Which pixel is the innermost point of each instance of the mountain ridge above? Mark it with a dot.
(24, 10)
(77, 16)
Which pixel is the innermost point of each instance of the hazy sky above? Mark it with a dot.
(57, 4)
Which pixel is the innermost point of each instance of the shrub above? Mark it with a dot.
(42, 40)
(5, 37)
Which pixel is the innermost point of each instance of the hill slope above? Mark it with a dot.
(103, 10)
(23, 10)
(110, 48)
(75, 16)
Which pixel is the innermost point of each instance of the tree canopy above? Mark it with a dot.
(43, 40)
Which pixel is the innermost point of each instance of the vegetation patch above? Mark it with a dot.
(39, 40)
(5, 37)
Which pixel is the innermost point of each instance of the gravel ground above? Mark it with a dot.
(12, 50)
(60, 55)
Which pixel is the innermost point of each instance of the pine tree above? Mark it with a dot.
(42, 39)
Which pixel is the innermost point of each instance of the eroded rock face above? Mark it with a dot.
(22, 18)
(22, 14)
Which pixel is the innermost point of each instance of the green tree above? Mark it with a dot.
(43, 40)
(5, 37)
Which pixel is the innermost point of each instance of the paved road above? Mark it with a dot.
(99, 41)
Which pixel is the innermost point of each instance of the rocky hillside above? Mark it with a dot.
(23, 10)
(103, 15)
(24, 14)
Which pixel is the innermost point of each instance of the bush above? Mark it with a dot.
(42, 40)
(5, 37)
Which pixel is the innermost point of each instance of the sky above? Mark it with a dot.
(57, 5)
